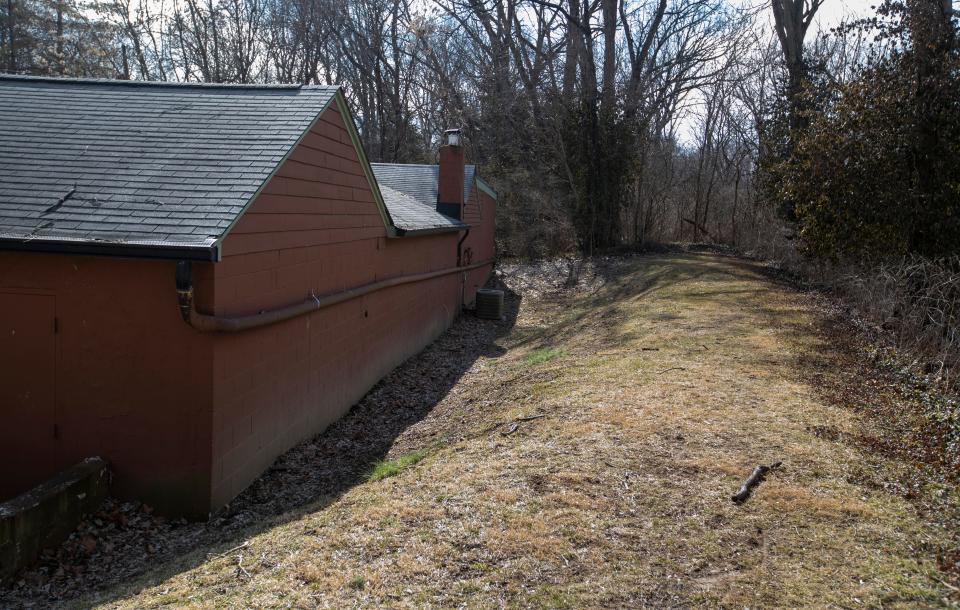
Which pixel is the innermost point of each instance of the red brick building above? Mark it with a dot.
(194, 278)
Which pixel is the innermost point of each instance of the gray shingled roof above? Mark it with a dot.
(418, 181)
(155, 166)
(409, 214)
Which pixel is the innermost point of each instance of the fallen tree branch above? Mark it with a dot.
(515, 424)
(513, 428)
(530, 417)
(752, 481)
(241, 571)
(700, 227)
(228, 551)
(672, 368)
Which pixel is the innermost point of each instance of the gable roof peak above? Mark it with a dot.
(156, 167)
(58, 80)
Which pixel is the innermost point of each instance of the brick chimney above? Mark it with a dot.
(450, 182)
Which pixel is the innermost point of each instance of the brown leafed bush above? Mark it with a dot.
(918, 300)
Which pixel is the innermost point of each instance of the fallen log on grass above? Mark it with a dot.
(531, 417)
(522, 418)
(752, 481)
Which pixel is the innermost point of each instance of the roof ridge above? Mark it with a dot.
(172, 84)
(419, 164)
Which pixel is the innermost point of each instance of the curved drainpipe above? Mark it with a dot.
(233, 324)
(460, 246)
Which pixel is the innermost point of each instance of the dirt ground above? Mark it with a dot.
(582, 454)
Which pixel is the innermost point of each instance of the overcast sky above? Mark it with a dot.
(834, 11)
(830, 14)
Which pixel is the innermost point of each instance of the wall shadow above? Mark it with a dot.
(305, 479)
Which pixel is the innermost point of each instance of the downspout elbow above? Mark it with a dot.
(185, 289)
(460, 247)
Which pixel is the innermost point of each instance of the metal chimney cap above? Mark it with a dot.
(453, 137)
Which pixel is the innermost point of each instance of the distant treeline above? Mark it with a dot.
(604, 123)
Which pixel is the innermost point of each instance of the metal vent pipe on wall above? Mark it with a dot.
(233, 324)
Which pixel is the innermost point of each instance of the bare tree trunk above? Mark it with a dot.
(215, 33)
(791, 20)
(610, 22)
(134, 35)
(11, 36)
(573, 49)
(733, 213)
(59, 42)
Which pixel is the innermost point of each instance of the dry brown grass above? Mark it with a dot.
(619, 496)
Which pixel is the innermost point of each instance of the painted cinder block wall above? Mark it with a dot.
(315, 227)
(480, 213)
(119, 376)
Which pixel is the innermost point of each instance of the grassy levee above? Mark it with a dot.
(660, 390)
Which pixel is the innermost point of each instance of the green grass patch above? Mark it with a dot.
(549, 596)
(544, 354)
(387, 468)
(357, 583)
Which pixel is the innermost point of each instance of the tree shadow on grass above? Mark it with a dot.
(601, 309)
(305, 479)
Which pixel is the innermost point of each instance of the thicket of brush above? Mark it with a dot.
(916, 303)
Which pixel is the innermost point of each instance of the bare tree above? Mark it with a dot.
(791, 20)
